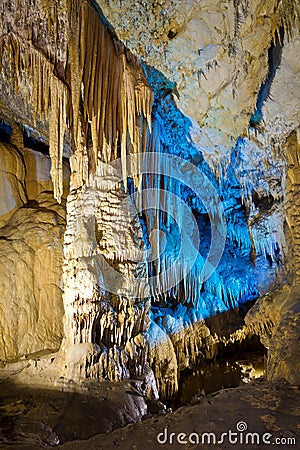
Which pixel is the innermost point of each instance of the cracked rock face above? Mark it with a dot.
(216, 53)
(214, 58)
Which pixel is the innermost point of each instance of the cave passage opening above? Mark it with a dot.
(274, 60)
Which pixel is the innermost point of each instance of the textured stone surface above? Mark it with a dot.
(31, 247)
(38, 179)
(215, 51)
(12, 182)
(209, 59)
(281, 110)
(261, 408)
(38, 410)
(31, 290)
(101, 283)
(284, 353)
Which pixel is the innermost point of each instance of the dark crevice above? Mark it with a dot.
(274, 59)
(29, 140)
(5, 131)
(172, 34)
(227, 371)
(33, 143)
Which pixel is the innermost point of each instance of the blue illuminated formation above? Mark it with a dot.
(252, 255)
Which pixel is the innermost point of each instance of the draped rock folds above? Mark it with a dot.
(115, 97)
(65, 75)
(71, 78)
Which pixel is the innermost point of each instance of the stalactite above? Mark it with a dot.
(116, 98)
(48, 97)
(109, 84)
(288, 16)
(31, 65)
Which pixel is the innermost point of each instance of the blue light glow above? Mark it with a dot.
(251, 258)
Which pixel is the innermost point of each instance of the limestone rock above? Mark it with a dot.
(102, 301)
(284, 353)
(38, 178)
(31, 291)
(163, 360)
(224, 60)
(64, 71)
(12, 182)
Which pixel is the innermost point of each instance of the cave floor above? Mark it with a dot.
(38, 411)
(263, 408)
(33, 417)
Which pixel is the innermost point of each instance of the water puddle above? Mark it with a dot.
(224, 373)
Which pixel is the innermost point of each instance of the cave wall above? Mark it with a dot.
(215, 52)
(32, 65)
(94, 84)
(101, 283)
(31, 247)
(93, 96)
(207, 101)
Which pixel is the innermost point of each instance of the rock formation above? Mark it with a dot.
(149, 183)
